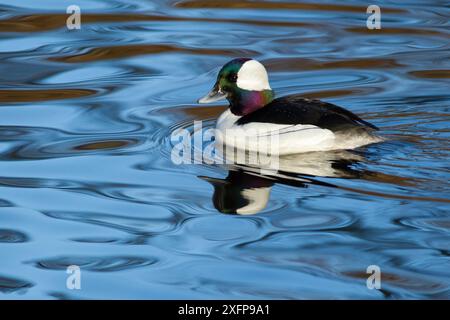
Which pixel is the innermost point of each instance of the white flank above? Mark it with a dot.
(292, 139)
(256, 136)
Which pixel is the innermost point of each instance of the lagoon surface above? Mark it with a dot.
(86, 176)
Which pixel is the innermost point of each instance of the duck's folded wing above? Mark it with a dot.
(295, 110)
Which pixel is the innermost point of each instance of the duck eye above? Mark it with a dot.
(232, 77)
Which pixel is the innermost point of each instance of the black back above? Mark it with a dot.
(295, 109)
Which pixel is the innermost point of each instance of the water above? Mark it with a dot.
(86, 176)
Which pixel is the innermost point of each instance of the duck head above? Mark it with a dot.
(244, 83)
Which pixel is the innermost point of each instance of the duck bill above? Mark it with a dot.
(214, 95)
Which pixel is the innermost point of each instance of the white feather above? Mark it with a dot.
(290, 139)
(274, 138)
(253, 76)
(257, 198)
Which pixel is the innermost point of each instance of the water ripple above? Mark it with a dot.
(10, 285)
(12, 236)
(105, 264)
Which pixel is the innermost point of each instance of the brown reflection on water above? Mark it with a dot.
(303, 64)
(431, 74)
(340, 93)
(202, 113)
(415, 115)
(393, 30)
(105, 53)
(111, 144)
(391, 179)
(246, 4)
(44, 22)
(43, 95)
(403, 280)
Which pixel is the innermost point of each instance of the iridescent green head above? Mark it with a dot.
(244, 83)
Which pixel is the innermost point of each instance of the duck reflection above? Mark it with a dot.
(246, 189)
(240, 192)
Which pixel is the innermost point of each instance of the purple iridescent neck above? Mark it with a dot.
(244, 102)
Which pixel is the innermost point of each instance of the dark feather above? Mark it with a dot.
(295, 109)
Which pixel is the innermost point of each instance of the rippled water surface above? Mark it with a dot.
(86, 176)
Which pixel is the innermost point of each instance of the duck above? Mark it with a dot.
(299, 124)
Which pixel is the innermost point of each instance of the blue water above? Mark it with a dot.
(86, 176)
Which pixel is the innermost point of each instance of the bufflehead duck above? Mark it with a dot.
(301, 124)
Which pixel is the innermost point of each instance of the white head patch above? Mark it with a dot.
(253, 76)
